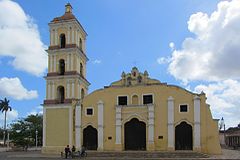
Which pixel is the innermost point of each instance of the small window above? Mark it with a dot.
(183, 108)
(147, 99)
(122, 100)
(89, 111)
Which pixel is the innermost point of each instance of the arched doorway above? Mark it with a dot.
(90, 138)
(183, 137)
(135, 135)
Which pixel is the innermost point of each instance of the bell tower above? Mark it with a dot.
(66, 80)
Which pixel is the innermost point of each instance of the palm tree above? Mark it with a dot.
(4, 107)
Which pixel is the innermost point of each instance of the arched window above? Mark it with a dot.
(80, 43)
(81, 69)
(135, 100)
(82, 93)
(61, 66)
(62, 40)
(60, 91)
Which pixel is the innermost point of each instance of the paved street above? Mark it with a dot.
(36, 155)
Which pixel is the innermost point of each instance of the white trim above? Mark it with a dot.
(73, 35)
(145, 94)
(70, 125)
(118, 125)
(53, 90)
(51, 37)
(100, 124)
(134, 94)
(50, 63)
(72, 61)
(197, 120)
(56, 37)
(48, 90)
(44, 127)
(86, 111)
(170, 106)
(73, 89)
(188, 108)
(68, 36)
(123, 96)
(151, 124)
(68, 89)
(62, 106)
(68, 63)
(78, 125)
(54, 63)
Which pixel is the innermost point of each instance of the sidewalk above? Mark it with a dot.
(227, 154)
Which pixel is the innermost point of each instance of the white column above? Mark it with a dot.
(78, 126)
(54, 63)
(118, 125)
(72, 36)
(100, 125)
(51, 37)
(76, 37)
(68, 36)
(68, 62)
(53, 91)
(50, 63)
(68, 89)
(197, 136)
(71, 62)
(44, 127)
(56, 38)
(170, 122)
(48, 91)
(70, 125)
(150, 124)
(73, 90)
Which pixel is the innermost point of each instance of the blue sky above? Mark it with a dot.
(178, 42)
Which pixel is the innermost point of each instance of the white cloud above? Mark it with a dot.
(12, 87)
(214, 53)
(224, 100)
(20, 39)
(172, 46)
(97, 61)
(36, 110)
(163, 60)
(11, 116)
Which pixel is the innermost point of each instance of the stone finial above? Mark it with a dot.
(68, 8)
(146, 73)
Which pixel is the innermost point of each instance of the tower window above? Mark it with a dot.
(62, 41)
(81, 69)
(60, 94)
(148, 99)
(61, 67)
(184, 108)
(122, 100)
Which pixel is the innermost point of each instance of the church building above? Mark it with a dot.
(133, 113)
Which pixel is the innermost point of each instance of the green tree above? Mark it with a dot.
(23, 132)
(4, 107)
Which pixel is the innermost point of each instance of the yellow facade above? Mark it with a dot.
(102, 120)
